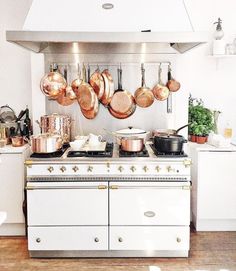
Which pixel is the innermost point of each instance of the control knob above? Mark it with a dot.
(50, 169)
(75, 168)
(120, 168)
(145, 168)
(90, 169)
(133, 168)
(62, 169)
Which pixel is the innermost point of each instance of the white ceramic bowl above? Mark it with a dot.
(77, 144)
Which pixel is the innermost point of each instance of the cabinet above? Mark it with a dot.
(12, 189)
(108, 219)
(213, 195)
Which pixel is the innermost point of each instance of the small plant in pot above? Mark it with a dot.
(201, 121)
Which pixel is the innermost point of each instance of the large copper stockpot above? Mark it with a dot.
(45, 143)
(57, 124)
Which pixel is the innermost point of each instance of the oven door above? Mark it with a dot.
(149, 203)
(67, 203)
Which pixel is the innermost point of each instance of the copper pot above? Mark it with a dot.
(46, 143)
(53, 83)
(57, 124)
(132, 144)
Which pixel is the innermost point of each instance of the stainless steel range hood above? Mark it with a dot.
(117, 30)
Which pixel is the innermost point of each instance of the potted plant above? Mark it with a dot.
(201, 121)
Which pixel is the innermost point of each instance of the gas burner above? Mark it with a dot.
(169, 154)
(56, 154)
(142, 153)
(106, 153)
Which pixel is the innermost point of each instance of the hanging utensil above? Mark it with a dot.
(67, 96)
(97, 82)
(91, 113)
(109, 87)
(122, 104)
(53, 83)
(76, 82)
(85, 95)
(172, 84)
(160, 91)
(143, 95)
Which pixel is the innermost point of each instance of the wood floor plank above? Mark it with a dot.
(210, 251)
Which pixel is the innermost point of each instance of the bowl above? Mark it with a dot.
(80, 137)
(77, 144)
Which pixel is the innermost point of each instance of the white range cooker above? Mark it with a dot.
(95, 204)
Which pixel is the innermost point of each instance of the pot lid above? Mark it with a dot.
(170, 136)
(130, 131)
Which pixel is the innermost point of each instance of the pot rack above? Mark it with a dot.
(114, 64)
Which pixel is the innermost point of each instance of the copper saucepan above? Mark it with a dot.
(53, 83)
(143, 95)
(45, 143)
(160, 91)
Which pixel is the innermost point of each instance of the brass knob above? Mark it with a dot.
(75, 168)
(38, 240)
(120, 168)
(96, 240)
(62, 169)
(133, 168)
(178, 239)
(120, 239)
(170, 169)
(145, 168)
(108, 164)
(158, 169)
(90, 169)
(50, 169)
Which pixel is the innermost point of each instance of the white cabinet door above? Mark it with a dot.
(149, 238)
(11, 186)
(68, 238)
(150, 204)
(68, 204)
(216, 189)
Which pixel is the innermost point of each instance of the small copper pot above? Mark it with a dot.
(132, 144)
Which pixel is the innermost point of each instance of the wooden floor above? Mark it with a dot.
(209, 251)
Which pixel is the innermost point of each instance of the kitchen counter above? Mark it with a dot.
(208, 147)
(11, 149)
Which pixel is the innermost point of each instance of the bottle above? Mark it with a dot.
(27, 123)
(228, 132)
(218, 42)
(18, 129)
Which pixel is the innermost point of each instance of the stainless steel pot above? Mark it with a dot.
(57, 124)
(46, 143)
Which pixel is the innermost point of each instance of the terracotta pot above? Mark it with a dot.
(192, 138)
(201, 139)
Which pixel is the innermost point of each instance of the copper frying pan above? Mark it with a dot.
(85, 94)
(67, 96)
(76, 82)
(97, 82)
(122, 104)
(172, 84)
(143, 95)
(108, 87)
(91, 114)
(160, 91)
(53, 83)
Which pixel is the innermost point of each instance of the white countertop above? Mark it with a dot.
(208, 147)
(10, 149)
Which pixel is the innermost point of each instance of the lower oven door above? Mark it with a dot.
(68, 203)
(149, 203)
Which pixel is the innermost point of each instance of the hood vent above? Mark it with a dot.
(94, 26)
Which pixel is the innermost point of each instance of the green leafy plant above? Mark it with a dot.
(200, 118)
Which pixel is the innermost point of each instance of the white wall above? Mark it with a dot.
(15, 84)
(198, 73)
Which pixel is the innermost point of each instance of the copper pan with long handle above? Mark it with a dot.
(160, 91)
(122, 104)
(85, 95)
(172, 84)
(67, 96)
(97, 82)
(108, 87)
(143, 95)
(53, 83)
